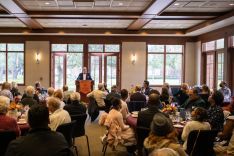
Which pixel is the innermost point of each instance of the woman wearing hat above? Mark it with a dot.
(163, 135)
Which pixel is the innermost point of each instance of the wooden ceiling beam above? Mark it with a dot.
(13, 8)
(210, 22)
(88, 31)
(154, 9)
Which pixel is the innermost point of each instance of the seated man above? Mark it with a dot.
(40, 141)
(58, 115)
(194, 100)
(146, 89)
(99, 95)
(28, 98)
(138, 96)
(145, 117)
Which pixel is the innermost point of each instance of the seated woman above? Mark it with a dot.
(118, 132)
(59, 95)
(215, 112)
(162, 135)
(164, 97)
(58, 116)
(7, 123)
(75, 107)
(181, 96)
(204, 94)
(199, 115)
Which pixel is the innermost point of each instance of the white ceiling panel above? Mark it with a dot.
(171, 24)
(10, 22)
(83, 23)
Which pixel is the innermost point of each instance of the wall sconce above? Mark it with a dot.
(133, 58)
(38, 57)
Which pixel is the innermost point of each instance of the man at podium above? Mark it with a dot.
(84, 75)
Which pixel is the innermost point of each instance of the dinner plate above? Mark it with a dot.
(135, 112)
(134, 115)
(178, 126)
(21, 122)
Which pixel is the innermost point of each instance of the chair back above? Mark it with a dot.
(136, 105)
(67, 130)
(201, 142)
(5, 138)
(141, 134)
(79, 129)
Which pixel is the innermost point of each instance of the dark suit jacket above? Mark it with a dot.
(88, 76)
(138, 97)
(147, 90)
(39, 142)
(145, 117)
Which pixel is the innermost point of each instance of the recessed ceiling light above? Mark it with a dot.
(84, 25)
(176, 4)
(231, 4)
(120, 3)
(47, 3)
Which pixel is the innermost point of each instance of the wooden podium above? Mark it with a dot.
(84, 87)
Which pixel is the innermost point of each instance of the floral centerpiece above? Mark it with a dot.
(169, 109)
(15, 110)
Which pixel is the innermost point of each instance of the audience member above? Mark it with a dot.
(118, 132)
(28, 97)
(105, 88)
(59, 94)
(138, 96)
(58, 115)
(75, 107)
(50, 92)
(225, 91)
(40, 141)
(215, 112)
(99, 95)
(181, 96)
(162, 135)
(145, 117)
(204, 94)
(199, 117)
(230, 148)
(113, 94)
(154, 91)
(168, 88)
(164, 97)
(146, 89)
(66, 94)
(194, 100)
(124, 106)
(7, 123)
(14, 89)
(6, 87)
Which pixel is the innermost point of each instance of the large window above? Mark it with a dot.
(104, 63)
(12, 62)
(67, 62)
(165, 64)
(214, 51)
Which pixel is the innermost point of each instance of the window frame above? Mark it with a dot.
(62, 53)
(6, 57)
(165, 53)
(106, 53)
(214, 52)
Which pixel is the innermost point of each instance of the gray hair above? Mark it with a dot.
(100, 86)
(53, 103)
(75, 96)
(30, 91)
(4, 104)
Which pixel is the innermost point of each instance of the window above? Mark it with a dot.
(165, 64)
(67, 62)
(104, 63)
(214, 51)
(12, 62)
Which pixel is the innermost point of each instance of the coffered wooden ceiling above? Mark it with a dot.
(120, 17)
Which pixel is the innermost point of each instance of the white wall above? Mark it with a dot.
(190, 61)
(133, 73)
(33, 71)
